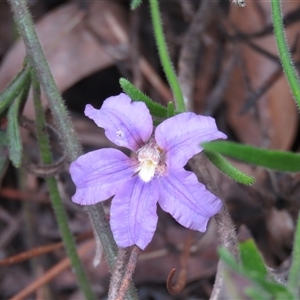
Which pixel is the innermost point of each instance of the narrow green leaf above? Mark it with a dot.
(223, 165)
(275, 289)
(229, 260)
(273, 159)
(135, 94)
(171, 110)
(14, 137)
(3, 138)
(257, 293)
(252, 259)
(14, 88)
(15, 147)
(294, 275)
(135, 4)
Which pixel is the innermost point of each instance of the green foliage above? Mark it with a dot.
(15, 147)
(223, 165)
(14, 137)
(135, 94)
(251, 258)
(255, 293)
(135, 4)
(272, 159)
(171, 110)
(14, 88)
(294, 275)
(253, 269)
(3, 154)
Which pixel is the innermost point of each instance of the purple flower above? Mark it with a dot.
(153, 174)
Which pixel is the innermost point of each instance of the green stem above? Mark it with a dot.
(58, 208)
(165, 57)
(61, 218)
(285, 56)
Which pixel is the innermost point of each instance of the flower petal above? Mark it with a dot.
(187, 200)
(133, 216)
(127, 124)
(181, 135)
(99, 175)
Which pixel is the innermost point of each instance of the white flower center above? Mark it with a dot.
(149, 158)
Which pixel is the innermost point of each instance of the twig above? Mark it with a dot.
(254, 95)
(143, 64)
(52, 273)
(37, 251)
(190, 49)
(215, 97)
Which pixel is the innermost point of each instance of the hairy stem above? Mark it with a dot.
(118, 272)
(165, 57)
(128, 272)
(102, 228)
(284, 53)
(225, 227)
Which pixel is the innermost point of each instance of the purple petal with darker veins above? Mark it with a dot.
(187, 200)
(127, 124)
(133, 216)
(99, 175)
(181, 135)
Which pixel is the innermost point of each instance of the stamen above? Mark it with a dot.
(149, 157)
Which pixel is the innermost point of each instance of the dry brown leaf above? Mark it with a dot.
(71, 49)
(273, 124)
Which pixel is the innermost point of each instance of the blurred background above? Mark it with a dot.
(227, 63)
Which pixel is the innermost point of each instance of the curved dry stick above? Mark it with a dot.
(181, 281)
(179, 285)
